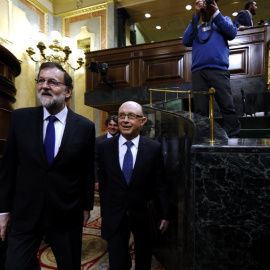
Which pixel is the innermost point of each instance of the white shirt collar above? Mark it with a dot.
(109, 135)
(61, 116)
(249, 13)
(135, 141)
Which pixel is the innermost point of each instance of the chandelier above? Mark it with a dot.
(58, 50)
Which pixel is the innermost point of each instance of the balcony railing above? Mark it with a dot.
(211, 94)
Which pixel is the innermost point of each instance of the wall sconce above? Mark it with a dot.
(59, 50)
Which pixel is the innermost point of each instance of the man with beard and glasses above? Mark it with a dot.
(243, 19)
(210, 62)
(47, 176)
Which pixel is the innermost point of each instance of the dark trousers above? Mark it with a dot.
(3, 249)
(119, 249)
(203, 80)
(23, 248)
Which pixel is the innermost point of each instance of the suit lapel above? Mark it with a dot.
(115, 153)
(37, 131)
(70, 130)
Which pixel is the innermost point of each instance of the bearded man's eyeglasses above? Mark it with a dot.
(52, 83)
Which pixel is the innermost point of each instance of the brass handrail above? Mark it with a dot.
(268, 68)
(211, 93)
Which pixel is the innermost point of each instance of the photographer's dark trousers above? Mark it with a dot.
(203, 80)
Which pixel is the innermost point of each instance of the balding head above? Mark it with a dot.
(130, 119)
(132, 105)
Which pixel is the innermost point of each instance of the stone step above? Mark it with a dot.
(253, 127)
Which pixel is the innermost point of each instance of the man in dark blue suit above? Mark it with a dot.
(126, 187)
(244, 17)
(47, 192)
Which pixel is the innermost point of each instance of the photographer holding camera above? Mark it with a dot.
(210, 61)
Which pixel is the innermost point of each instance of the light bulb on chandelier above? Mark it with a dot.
(60, 50)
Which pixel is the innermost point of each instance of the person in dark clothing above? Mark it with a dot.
(244, 17)
(131, 170)
(47, 176)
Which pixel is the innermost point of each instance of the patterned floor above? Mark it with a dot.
(94, 249)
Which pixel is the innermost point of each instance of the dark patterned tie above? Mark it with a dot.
(128, 162)
(49, 141)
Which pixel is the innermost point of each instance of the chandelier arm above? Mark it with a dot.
(36, 61)
(41, 46)
(80, 63)
(30, 51)
(67, 51)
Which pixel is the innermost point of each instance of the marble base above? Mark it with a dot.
(230, 220)
(219, 193)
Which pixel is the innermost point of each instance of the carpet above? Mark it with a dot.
(94, 248)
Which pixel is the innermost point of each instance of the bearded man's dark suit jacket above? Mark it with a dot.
(28, 185)
(147, 181)
(242, 18)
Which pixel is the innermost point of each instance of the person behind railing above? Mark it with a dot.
(210, 61)
(243, 19)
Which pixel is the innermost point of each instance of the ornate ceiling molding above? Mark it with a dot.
(83, 11)
(39, 6)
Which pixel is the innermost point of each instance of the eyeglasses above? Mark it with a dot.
(52, 83)
(130, 116)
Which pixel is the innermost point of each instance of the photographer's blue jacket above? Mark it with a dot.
(215, 52)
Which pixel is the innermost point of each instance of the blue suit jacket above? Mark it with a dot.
(242, 18)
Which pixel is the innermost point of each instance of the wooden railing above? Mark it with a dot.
(134, 69)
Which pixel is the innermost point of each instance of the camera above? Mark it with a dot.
(208, 2)
(101, 68)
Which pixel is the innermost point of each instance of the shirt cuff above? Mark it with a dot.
(4, 213)
(215, 14)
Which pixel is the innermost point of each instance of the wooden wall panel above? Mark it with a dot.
(136, 67)
(169, 62)
(121, 73)
(258, 59)
(163, 70)
(239, 64)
